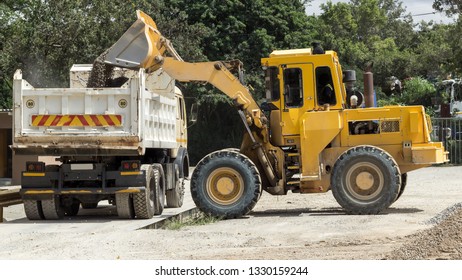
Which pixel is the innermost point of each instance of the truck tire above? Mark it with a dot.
(33, 209)
(52, 210)
(89, 205)
(365, 180)
(175, 196)
(150, 201)
(226, 184)
(159, 190)
(72, 209)
(124, 206)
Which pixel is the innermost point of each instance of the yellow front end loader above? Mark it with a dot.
(306, 141)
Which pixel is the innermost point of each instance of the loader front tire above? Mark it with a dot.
(226, 184)
(365, 180)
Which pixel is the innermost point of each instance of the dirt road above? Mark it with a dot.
(285, 227)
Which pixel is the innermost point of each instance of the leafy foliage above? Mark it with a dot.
(448, 6)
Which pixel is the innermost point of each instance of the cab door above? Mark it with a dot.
(297, 97)
(181, 123)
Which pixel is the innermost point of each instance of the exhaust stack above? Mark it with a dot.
(369, 86)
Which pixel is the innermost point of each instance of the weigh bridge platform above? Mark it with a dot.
(99, 219)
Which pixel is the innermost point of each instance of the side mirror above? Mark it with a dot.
(193, 114)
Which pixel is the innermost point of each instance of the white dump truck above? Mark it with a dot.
(126, 143)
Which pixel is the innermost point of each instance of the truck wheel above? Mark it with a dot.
(150, 202)
(175, 196)
(52, 210)
(365, 180)
(159, 190)
(72, 209)
(124, 205)
(89, 205)
(33, 209)
(226, 184)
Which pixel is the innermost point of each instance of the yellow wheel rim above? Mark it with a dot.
(225, 186)
(365, 181)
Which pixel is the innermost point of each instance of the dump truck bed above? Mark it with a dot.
(120, 120)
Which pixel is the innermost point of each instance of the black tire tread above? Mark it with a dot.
(403, 185)
(175, 196)
(124, 206)
(89, 205)
(33, 209)
(73, 209)
(51, 209)
(159, 190)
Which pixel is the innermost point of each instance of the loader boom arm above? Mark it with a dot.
(219, 76)
(143, 46)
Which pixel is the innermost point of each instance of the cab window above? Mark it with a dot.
(324, 86)
(293, 89)
(272, 84)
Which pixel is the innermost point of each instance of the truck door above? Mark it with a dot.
(297, 97)
(181, 123)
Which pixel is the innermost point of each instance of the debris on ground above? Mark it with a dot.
(443, 241)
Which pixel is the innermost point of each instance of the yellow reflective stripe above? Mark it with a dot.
(76, 120)
(115, 120)
(129, 191)
(39, 192)
(77, 192)
(127, 173)
(33, 174)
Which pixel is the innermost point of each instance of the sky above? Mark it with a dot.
(415, 7)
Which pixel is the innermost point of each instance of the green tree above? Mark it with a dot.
(246, 30)
(432, 51)
(449, 6)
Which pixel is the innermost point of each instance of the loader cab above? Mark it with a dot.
(298, 81)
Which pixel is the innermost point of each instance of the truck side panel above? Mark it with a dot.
(70, 121)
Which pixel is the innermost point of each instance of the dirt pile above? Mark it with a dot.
(443, 241)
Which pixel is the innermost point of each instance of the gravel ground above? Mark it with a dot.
(423, 224)
(441, 242)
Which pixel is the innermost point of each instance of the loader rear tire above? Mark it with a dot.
(52, 210)
(124, 206)
(403, 185)
(33, 209)
(175, 196)
(226, 184)
(365, 180)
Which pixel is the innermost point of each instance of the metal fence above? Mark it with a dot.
(449, 131)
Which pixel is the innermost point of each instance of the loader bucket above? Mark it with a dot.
(138, 46)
